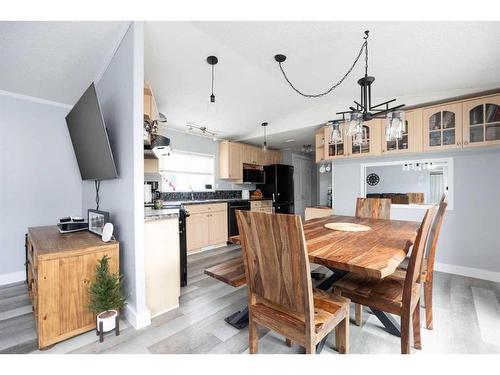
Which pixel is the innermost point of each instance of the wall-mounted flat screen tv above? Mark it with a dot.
(90, 138)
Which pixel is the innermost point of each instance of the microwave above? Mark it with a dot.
(255, 176)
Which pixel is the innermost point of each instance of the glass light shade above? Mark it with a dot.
(395, 125)
(322, 168)
(328, 167)
(336, 133)
(352, 123)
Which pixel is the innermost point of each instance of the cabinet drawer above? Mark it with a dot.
(210, 207)
(259, 204)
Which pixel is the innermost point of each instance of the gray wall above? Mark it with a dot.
(469, 236)
(192, 143)
(394, 180)
(120, 93)
(40, 181)
(324, 182)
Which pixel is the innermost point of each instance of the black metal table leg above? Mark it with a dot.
(320, 345)
(390, 324)
(327, 284)
(239, 319)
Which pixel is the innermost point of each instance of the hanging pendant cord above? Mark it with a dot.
(212, 79)
(97, 186)
(364, 47)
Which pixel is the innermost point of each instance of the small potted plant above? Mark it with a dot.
(106, 298)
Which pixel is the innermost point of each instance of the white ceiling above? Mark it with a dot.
(412, 61)
(54, 60)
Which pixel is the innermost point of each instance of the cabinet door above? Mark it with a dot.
(197, 231)
(319, 143)
(481, 119)
(333, 151)
(442, 126)
(412, 137)
(235, 161)
(217, 222)
(372, 144)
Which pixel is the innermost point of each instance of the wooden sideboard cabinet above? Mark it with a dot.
(60, 269)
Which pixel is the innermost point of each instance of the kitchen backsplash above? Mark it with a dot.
(201, 195)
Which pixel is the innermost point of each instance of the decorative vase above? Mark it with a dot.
(108, 319)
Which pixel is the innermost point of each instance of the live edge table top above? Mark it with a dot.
(375, 253)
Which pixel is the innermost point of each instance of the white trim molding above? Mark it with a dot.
(136, 320)
(34, 99)
(14, 277)
(476, 273)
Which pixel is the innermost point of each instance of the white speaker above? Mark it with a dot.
(107, 232)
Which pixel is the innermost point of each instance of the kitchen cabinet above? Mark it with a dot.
(412, 138)
(334, 150)
(150, 109)
(372, 144)
(481, 121)
(232, 156)
(319, 142)
(206, 226)
(442, 127)
(230, 160)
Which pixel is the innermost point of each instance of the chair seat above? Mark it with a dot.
(381, 294)
(401, 270)
(329, 310)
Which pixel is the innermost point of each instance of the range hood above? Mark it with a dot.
(160, 146)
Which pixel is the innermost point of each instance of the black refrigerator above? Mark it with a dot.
(279, 187)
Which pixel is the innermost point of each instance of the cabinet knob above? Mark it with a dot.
(466, 143)
(459, 143)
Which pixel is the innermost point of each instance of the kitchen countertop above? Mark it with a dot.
(165, 213)
(202, 201)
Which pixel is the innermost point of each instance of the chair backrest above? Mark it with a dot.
(414, 270)
(276, 261)
(434, 234)
(373, 208)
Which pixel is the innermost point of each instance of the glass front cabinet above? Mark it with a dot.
(372, 140)
(481, 118)
(334, 150)
(442, 127)
(319, 141)
(412, 137)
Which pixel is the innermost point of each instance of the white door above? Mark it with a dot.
(302, 177)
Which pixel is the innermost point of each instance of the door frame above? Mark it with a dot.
(311, 161)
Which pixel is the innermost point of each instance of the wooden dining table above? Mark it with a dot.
(376, 253)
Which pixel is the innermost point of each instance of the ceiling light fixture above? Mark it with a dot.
(351, 123)
(212, 61)
(307, 149)
(264, 145)
(204, 130)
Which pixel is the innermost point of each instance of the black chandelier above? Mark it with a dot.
(351, 123)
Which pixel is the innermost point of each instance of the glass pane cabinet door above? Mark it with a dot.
(443, 127)
(482, 121)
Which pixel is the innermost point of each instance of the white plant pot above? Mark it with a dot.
(108, 322)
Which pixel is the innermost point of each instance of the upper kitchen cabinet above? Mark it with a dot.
(150, 109)
(334, 150)
(230, 160)
(412, 137)
(481, 121)
(319, 142)
(271, 157)
(372, 143)
(442, 127)
(252, 155)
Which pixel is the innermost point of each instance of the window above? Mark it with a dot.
(187, 171)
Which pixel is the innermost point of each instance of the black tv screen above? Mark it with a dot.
(90, 139)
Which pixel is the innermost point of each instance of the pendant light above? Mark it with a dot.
(364, 110)
(211, 105)
(264, 145)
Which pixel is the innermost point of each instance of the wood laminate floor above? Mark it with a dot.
(466, 320)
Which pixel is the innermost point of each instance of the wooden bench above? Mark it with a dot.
(231, 272)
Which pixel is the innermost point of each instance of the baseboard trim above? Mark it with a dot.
(165, 311)
(14, 277)
(137, 321)
(468, 271)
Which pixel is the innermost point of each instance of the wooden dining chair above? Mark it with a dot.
(428, 262)
(394, 294)
(370, 208)
(280, 293)
(373, 208)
